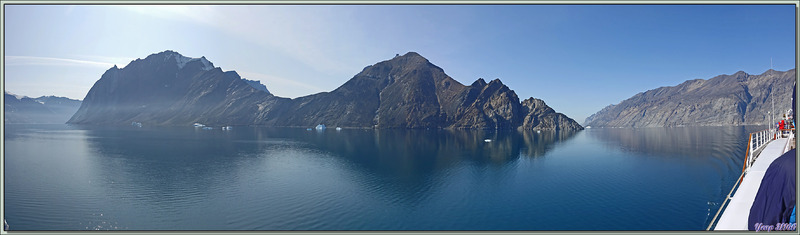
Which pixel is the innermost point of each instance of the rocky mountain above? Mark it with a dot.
(254, 84)
(405, 92)
(737, 99)
(170, 89)
(45, 109)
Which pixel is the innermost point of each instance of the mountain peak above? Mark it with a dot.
(14, 95)
(496, 81)
(479, 83)
(182, 60)
(166, 53)
(769, 71)
(412, 54)
(410, 57)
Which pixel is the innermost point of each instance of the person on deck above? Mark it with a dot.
(777, 195)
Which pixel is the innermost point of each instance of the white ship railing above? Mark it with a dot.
(756, 142)
(789, 144)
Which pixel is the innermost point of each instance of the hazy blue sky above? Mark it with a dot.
(577, 58)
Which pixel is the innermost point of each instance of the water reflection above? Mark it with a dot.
(266, 178)
(402, 152)
(258, 178)
(711, 156)
(427, 150)
(165, 174)
(165, 163)
(721, 142)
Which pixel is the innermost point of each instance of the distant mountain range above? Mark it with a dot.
(44, 109)
(738, 99)
(405, 92)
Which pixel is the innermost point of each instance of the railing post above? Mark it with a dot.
(749, 151)
(760, 136)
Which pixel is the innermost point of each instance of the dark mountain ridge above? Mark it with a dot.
(405, 92)
(168, 89)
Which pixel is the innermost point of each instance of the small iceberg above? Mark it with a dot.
(136, 124)
(207, 128)
(227, 128)
(320, 127)
(338, 128)
(487, 140)
(308, 129)
(197, 124)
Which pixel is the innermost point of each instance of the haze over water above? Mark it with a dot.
(62, 177)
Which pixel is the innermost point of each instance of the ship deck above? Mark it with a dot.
(736, 214)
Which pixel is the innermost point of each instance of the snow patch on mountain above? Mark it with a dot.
(19, 97)
(183, 60)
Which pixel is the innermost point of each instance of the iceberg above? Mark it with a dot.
(321, 127)
(197, 124)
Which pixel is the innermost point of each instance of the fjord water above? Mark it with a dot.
(65, 177)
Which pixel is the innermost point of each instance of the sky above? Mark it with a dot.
(577, 58)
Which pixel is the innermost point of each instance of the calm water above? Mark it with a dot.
(61, 177)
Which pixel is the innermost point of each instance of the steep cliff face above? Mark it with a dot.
(738, 99)
(405, 92)
(489, 106)
(542, 117)
(411, 96)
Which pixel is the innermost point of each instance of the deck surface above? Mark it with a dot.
(735, 216)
